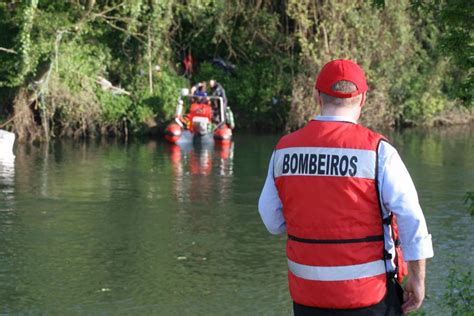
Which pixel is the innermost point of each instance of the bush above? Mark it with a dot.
(257, 94)
(459, 295)
(469, 201)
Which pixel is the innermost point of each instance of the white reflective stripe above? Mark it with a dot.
(339, 273)
(324, 161)
(200, 119)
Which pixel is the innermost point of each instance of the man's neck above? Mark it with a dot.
(334, 119)
(349, 112)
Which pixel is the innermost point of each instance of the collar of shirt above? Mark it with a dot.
(334, 118)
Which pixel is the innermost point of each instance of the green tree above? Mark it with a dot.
(58, 57)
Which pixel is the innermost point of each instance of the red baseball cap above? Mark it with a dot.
(341, 69)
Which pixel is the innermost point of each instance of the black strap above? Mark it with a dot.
(387, 255)
(336, 241)
(393, 274)
(388, 220)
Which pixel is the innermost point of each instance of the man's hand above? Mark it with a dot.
(414, 289)
(413, 294)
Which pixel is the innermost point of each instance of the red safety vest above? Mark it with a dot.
(325, 174)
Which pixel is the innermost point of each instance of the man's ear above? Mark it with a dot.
(317, 97)
(362, 101)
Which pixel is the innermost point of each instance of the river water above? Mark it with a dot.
(155, 229)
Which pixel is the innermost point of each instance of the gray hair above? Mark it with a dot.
(344, 87)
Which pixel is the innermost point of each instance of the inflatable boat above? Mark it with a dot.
(201, 123)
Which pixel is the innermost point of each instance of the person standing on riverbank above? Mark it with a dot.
(336, 188)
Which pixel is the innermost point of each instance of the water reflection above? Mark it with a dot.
(202, 171)
(7, 179)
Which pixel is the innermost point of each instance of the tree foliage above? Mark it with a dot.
(53, 54)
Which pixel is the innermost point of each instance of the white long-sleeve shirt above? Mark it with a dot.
(397, 194)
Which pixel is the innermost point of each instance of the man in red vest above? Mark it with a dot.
(348, 205)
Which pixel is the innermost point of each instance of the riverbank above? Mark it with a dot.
(30, 130)
(458, 116)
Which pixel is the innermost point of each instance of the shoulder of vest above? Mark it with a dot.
(288, 139)
(293, 138)
(376, 137)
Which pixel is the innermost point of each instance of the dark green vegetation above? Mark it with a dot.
(469, 201)
(418, 56)
(459, 294)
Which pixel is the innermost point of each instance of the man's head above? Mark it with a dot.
(201, 86)
(341, 88)
(212, 83)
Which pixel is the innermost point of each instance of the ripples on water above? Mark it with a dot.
(151, 228)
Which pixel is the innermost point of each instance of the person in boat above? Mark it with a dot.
(218, 91)
(200, 112)
(199, 93)
(338, 190)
